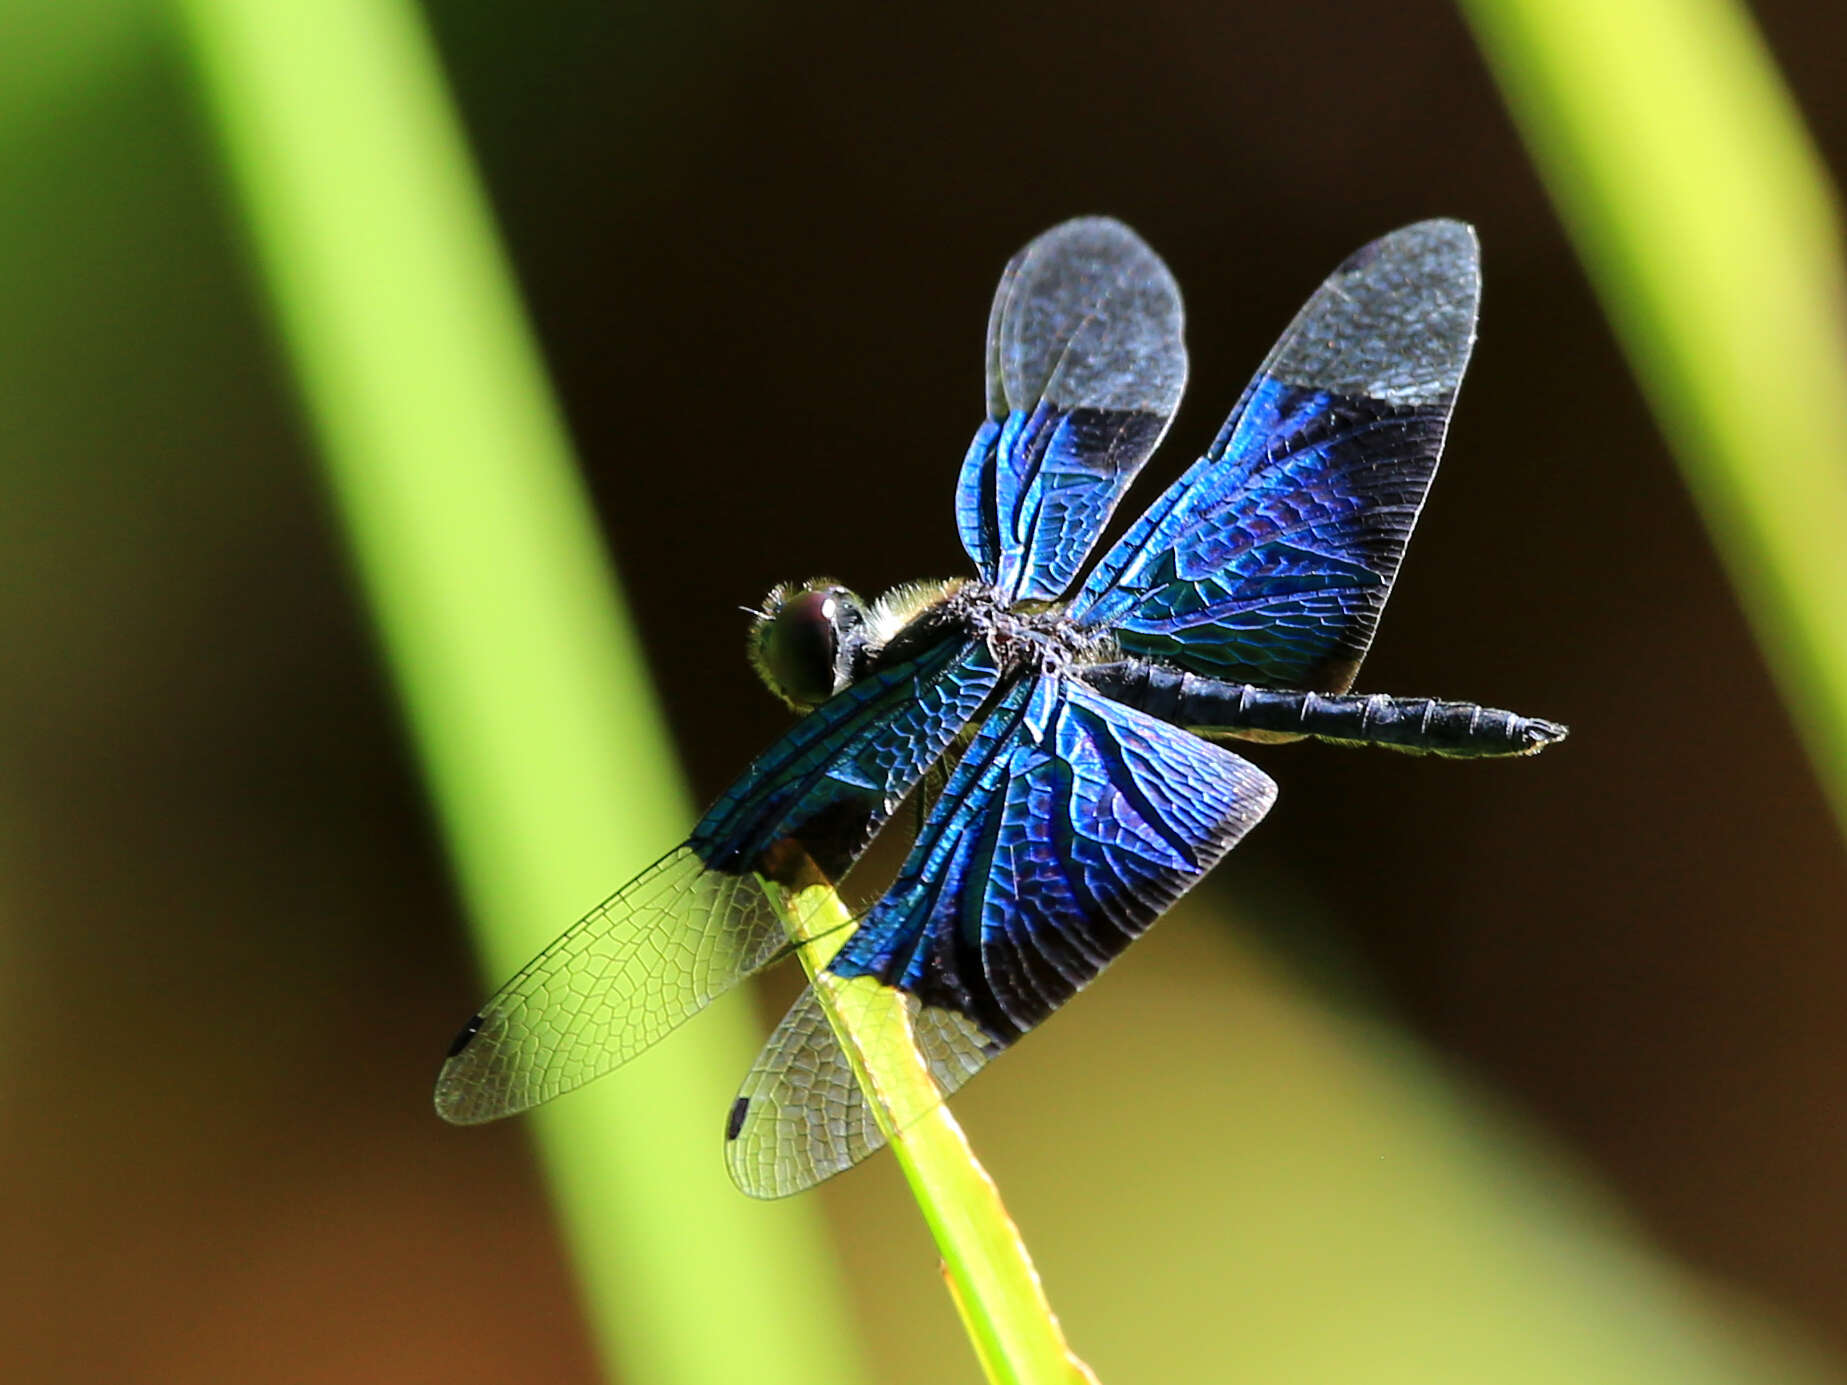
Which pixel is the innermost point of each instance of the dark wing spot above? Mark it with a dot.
(466, 1037)
(735, 1121)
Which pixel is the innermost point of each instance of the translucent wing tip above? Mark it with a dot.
(1086, 315)
(801, 1116)
(467, 1090)
(466, 1036)
(1394, 323)
(1447, 246)
(1092, 227)
(1446, 231)
(623, 977)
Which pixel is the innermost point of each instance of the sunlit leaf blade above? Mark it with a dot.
(481, 564)
(1712, 234)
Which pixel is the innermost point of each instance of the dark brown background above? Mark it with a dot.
(758, 242)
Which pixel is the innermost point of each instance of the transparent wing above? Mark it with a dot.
(1070, 825)
(654, 955)
(1086, 364)
(1271, 559)
(801, 1116)
(697, 922)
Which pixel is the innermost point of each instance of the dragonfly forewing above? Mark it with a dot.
(697, 922)
(652, 956)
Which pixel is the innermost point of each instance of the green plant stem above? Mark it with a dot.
(524, 692)
(1680, 167)
(990, 1276)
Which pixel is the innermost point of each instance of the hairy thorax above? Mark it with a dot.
(1028, 637)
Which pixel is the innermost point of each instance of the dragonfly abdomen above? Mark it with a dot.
(1419, 725)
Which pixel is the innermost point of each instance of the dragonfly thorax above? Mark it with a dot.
(811, 640)
(1028, 638)
(1023, 637)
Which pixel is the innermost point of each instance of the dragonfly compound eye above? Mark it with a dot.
(799, 639)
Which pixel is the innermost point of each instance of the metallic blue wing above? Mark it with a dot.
(1085, 368)
(1270, 560)
(832, 781)
(698, 921)
(1068, 827)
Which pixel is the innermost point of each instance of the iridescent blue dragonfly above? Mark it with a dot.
(1067, 747)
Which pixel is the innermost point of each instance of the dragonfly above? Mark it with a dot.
(1070, 750)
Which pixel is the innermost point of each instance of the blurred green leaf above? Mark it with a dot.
(519, 672)
(1680, 166)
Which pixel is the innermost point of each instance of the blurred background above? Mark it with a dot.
(1492, 1071)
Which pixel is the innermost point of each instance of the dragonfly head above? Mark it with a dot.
(805, 640)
